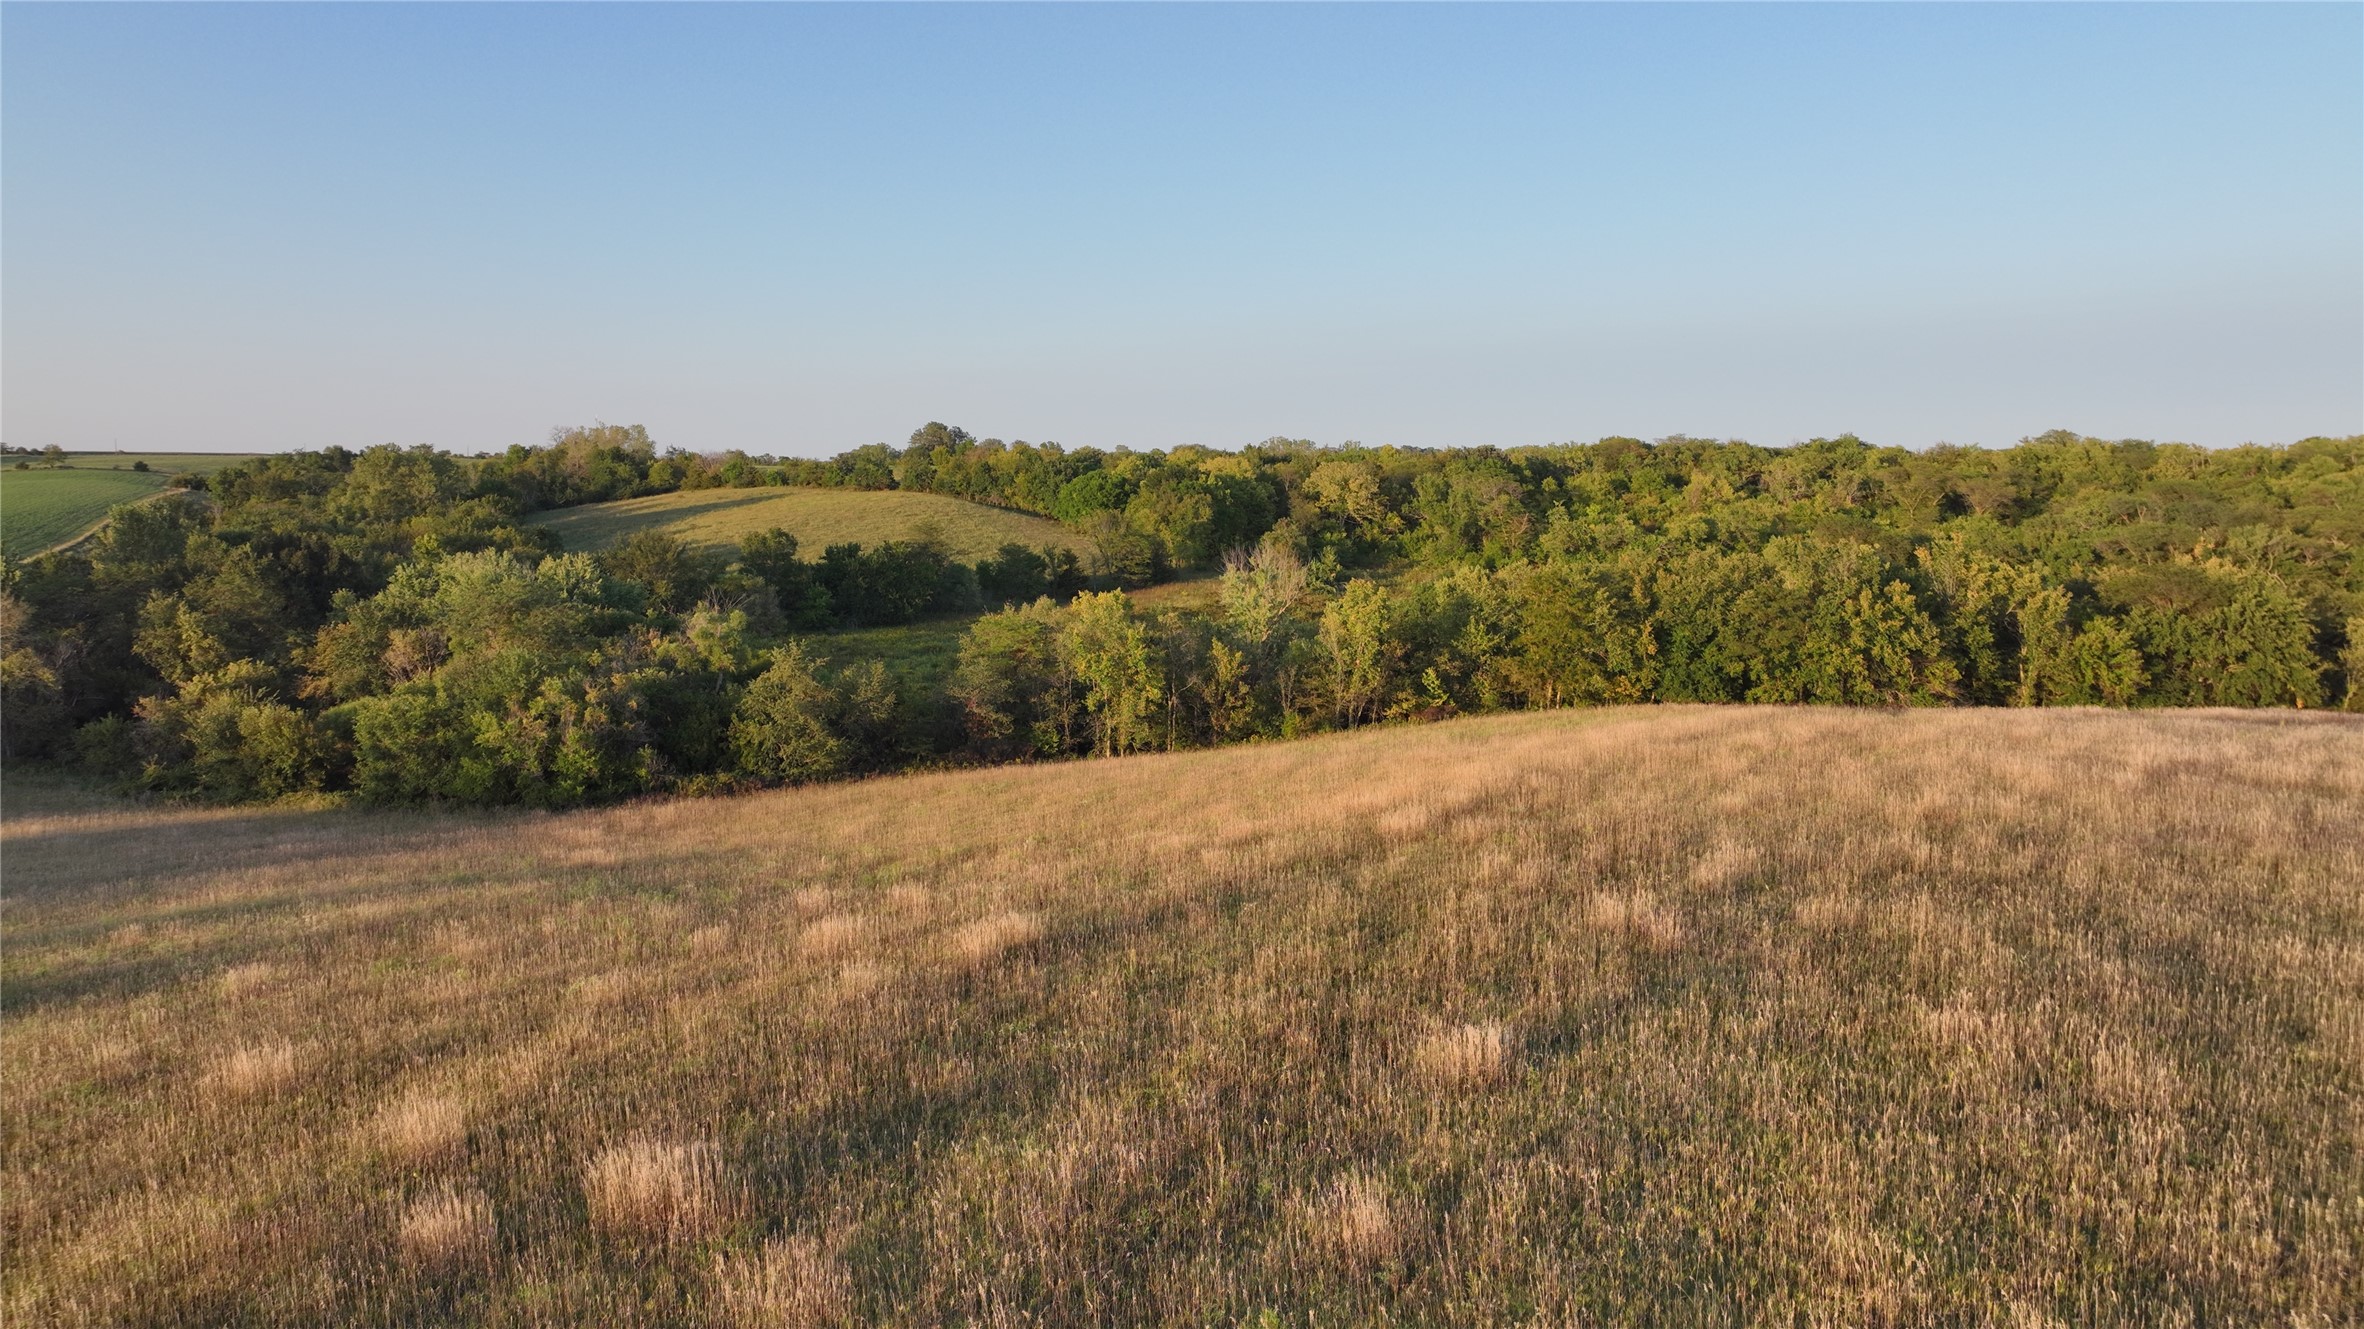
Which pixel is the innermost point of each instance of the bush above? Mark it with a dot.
(675, 575)
(783, 730)
(225, 735)
(1014, 694)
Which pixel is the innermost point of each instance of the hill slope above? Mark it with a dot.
(1680, 1014)
(817, 517)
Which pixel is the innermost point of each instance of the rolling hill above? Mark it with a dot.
(817, 517)
(1676, 1015)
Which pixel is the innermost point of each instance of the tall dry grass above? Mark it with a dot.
(655, 1189)
(1673, 1015)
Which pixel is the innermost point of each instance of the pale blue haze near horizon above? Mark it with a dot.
(795, 230)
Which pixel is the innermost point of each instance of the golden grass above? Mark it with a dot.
(239, 980)
(1356, 1217)
(655, 1189)
(833, 934)
(247, 1072)
(1468, 1053)
(423, 1126)
(447, 1226)
(1669, 1015)
(986, 939)
(787, 1284)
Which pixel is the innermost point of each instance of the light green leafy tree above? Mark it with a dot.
(1229, 697)
(1106, 648)
(1894, 654)
(1357, 656)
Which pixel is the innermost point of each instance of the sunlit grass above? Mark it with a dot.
(817, 517)
(1676, 1015)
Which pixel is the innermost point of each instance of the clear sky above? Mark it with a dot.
(800, 229)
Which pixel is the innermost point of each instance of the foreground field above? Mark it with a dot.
(817, 517)
(1680, 1015)
(42, 508)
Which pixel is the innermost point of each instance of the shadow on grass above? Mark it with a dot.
(46, 862)
(606, 525)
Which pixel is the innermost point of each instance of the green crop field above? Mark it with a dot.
(41, 508)
(817, 517)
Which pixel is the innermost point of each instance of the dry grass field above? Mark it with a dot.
(1679, 1016)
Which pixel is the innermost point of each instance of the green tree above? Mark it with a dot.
(1892, 653)
(1176, 512)
(2351, 662)
(1357, 653)
(2104, 665)
(1106, 648)
(675, 574)
(1014, 693)
(1346, 505)
(1473, 508)
(232, 608)
(1587, 634)
(869, 715)
(1259, 591)
(1859, 635)
(226, 735)
(1983, 600)
(783, 729)
(388, 485)
(771, 556)
(2215, 633)
(1229, 695)
(33, 713)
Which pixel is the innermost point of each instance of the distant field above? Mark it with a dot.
(816, 517)
(1194, 591)
(40, 508)
(922, 653)
(1671, 1015)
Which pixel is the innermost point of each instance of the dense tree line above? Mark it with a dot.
(385, 622)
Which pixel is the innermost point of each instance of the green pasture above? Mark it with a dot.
(43, 507)
(817, 517)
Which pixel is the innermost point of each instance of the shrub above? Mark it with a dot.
(225, 735)
(783, 728)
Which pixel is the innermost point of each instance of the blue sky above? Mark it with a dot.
(800, 229)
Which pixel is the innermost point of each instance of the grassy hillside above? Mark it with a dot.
(1679, 1015)
(818, 518)
(41, 508)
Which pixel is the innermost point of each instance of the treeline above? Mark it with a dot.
(1802, 620)
(385, 623)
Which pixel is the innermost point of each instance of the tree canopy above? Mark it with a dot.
(385, 624)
